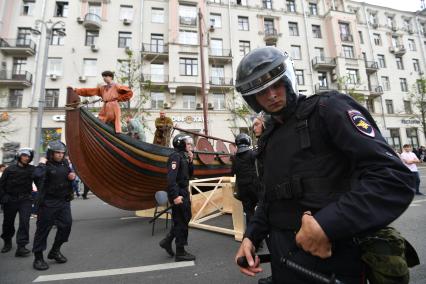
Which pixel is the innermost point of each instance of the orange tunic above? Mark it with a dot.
(111, 95)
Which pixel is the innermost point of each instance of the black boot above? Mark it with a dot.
(56, 254)
(39, 262)
(7, 246)
(183, 255)
(22, 251)
(166, 244)
(267, 280)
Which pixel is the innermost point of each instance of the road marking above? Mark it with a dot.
(127, 218)
(111, 272)
(414, 205)
(419, 201)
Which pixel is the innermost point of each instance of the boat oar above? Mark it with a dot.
(160, 213)
(312, 275)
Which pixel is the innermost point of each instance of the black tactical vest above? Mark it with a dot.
(183, 175)
(57, 184)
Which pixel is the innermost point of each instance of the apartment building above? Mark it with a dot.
(373, 52)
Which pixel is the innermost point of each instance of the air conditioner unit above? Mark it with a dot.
(199, 106)
(127, 22)
(166, 105)
(82, 78)
(94, 47)
(53, 77)
(80, 20)
(210, 106)
(211, 28)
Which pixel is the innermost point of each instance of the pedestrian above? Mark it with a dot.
(135, 128)
(179, 171)
(328, 174)
(53, 178)
(410, 160)
(86, 190)
(163, 125)
(15, 197)
(111, 94)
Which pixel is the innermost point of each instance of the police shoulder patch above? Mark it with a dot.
(174, 165)
(361, 123)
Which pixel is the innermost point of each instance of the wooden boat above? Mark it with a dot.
(122, 171)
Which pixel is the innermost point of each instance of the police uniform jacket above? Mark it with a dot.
(16, 182)
(330, 158)
(243, 166)
(179, 171)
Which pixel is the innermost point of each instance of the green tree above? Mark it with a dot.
(345, 85)
(418, 98)
(240, 111)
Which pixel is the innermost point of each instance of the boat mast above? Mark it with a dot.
(203, 80)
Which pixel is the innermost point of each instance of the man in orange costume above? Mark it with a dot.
(111, 95)
(163, 125)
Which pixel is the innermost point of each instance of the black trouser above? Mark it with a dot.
(46, 218)
(345, 261)
(11, 208)
(181, 215)
(85, 190)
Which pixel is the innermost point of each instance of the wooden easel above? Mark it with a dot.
(214, 203)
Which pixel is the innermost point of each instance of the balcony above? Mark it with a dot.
(375, 90)
(321, 87)
(155, 79)
(398, 50)
(271, 36)
(92, 21)
(371, 67)
(188, 21)
(324, 63)
(9, 78)
(346, 38)
(221, 83)
(220, 55)
(17, 47)
(155, 50)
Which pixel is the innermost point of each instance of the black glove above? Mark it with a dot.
(4, 199)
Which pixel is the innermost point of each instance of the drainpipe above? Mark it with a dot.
(307, 40)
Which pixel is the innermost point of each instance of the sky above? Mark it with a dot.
(406, 5)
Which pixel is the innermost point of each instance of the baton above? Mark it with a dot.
(318, 277)
(160, 213)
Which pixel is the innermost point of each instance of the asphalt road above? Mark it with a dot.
(113, 246)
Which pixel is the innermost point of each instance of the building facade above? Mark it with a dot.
(374, 53)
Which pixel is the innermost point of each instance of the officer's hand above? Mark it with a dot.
(311, 237)
(190, 156)
(247, 249)
(71, 176)
(42, 160)
(178, 200)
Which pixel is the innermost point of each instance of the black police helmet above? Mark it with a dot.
(261, 68)
(179, 141)
(243, 142)
(25, 151)
(55, 146)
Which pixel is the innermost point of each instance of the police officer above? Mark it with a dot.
(54, 181)
(179, 171)
(243, 166)
(15, 196)
(328, 173)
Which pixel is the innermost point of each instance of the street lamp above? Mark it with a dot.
(49, 27)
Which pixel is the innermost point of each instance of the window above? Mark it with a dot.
(361, 38)
(293, 29)
(216, 46)
(416, 65)
(386, 83)
(313, 9)
(316, 31)
(348, 51)
(219, 101)
(372, 19)
(157, 43)
(54, 66)
(296, 52)
(95, 8)
(407, 107)
(52, 97)
(19, 64)
(187, 15)
(244, 47)
(15, 98)
(27, 8)
(345, 32)
(242, 2)
(352, 76)
(188, 37)
(382, 61)
(24, 35)
(412, 138)
(243, 23)
(299, 77)
(157, 15)
(319, 52)
(91, 37)
(395, 41)
(389, 106)
(411, 45)
(291, 6)
(61, 9)
(157, 72)
(403, 84)
(216, 20)
(389, 21)
(188, 101)
(399, 63)
(58, 37)
(269, 26)
(407, 24)
(377, 39)
(370, 105)
(394, 140)
(124, 39)
(126, 12)
(157, 100)
(217, 75)
(322, 79)
(188, 66)
(89, 67)
(267, 4)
